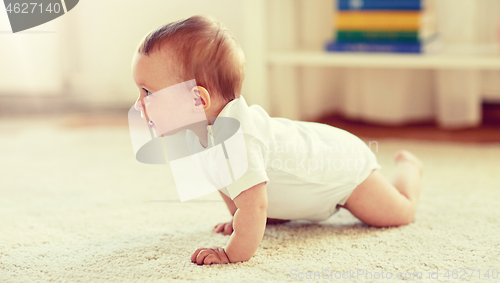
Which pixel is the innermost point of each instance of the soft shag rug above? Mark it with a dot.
(75, 206)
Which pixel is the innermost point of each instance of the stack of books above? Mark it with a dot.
(397, 26)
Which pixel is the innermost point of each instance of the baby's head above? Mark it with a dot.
(198, 48)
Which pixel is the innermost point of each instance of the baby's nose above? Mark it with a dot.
(138, 105)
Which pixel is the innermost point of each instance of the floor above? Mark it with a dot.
(487, 132)
(76, 206)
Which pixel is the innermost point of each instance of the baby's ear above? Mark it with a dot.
(197, 98)
(201, 98)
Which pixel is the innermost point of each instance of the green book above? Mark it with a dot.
(368, 36)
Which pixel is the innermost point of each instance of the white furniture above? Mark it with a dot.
(303, 82)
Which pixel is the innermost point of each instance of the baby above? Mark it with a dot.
(296, 170)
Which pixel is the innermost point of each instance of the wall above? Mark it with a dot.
(30, 64)
(86, 54)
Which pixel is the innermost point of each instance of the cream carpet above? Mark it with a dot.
(75, 206)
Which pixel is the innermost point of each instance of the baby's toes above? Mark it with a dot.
(399, 155)
(405, 155)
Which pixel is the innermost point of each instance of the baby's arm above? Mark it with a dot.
(229, 202)
(249, 223)
(227, 227)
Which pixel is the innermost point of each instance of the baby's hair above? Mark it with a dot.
(204, 50)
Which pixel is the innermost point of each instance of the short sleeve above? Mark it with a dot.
(256, 171)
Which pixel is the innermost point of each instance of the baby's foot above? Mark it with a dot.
(406, 156)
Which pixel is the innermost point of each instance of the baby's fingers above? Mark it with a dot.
(219, 227)
(200, 259)
(211, 259)
(195, 254)
(228, 229)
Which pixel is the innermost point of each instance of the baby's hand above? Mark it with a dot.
(209, 256)
(225, 228)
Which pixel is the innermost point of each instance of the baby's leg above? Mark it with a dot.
(377, 202)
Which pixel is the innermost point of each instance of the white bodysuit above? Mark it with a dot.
(309, 168)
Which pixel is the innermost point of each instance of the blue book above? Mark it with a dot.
(374, 47)
(379, 5)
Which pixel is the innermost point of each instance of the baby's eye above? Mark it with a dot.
(148, 93)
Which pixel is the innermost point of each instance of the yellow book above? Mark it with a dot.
(380, 21)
